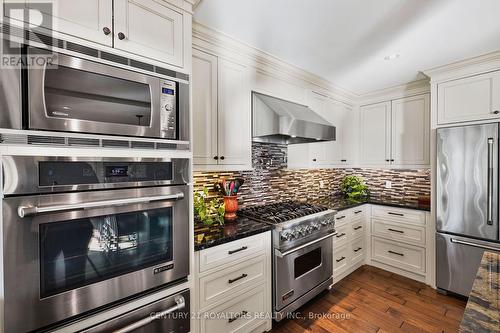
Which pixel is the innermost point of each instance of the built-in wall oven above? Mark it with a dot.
(95, 95)
(83, 233)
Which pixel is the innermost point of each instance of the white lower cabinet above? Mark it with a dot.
(233, 286)
(394, 239)
(349, 243)
(400, 242)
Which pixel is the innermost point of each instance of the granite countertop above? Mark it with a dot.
(482, 313)
(341, 203)
(241, 227)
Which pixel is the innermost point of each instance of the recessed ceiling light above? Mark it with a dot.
(392, 56)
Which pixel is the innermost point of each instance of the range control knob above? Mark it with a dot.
(315, 226)
(286, 236)
(324, 222)
(296, 233)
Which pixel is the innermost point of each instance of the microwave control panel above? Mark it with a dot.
(168, 109)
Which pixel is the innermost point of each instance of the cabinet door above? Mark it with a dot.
(204, 83)
(234, 116)
(83, 19)
(150, 29)
(469, 99)
(320, 154)
(348, 131)
(410, 130)
(375, 133)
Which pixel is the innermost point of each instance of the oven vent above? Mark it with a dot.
(83, 142)
(160, 145)
(142, 145)
(45, 140)
(115, 143)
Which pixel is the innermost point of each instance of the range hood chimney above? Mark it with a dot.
(279, 121)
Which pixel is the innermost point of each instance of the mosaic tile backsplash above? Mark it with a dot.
(270, 181)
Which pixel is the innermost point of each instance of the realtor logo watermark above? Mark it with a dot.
(22, 19)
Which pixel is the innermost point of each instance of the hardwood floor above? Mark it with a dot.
(373, 300)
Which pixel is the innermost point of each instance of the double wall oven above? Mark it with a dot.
(83, 233)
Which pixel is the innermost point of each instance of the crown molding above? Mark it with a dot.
(401, 91)
(211, 40)
(468, 67)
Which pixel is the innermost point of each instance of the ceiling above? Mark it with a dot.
(346, 41)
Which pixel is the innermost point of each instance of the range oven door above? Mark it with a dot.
(66, 254)
(78, 95)
(299, 270)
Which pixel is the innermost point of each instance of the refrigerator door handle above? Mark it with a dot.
(486, 247)
(489, 218)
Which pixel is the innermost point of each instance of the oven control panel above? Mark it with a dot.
(168, 109)
(320, 224)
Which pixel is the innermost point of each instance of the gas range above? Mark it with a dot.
(303, 251)
(294, 222)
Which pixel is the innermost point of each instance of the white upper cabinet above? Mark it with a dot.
(204, 83)
(396, 132)
(411, 131)
(222, 114)
(88, 19)
(469, 99)
(149, 28)
(375, 131)
(234, 116)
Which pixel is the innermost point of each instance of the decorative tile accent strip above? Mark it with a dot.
(270, 181)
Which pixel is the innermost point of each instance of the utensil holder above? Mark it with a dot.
(231, 207)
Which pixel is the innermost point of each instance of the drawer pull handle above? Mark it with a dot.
(238, 278)
(397, 214)
(237, 316)
(243, 248)
(339, 260)
(341, 235)
(358, 211)
(395, 230)
(359, 248)
(396, 253)
(358, 227)
(341, 217)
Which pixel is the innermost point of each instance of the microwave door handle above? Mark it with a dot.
(25, 211)
(180, 304)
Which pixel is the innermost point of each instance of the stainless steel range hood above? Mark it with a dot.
(279, 121)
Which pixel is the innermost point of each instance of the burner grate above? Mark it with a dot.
(282, 211)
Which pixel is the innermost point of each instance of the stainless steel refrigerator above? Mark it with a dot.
(466, 203)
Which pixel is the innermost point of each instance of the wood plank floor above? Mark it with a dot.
(376, 301)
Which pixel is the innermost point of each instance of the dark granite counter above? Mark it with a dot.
(241, 227)
(482, 313)
(340, 203)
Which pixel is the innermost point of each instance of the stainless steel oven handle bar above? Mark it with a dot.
(181, 304)
(24, 211)
(281, 255)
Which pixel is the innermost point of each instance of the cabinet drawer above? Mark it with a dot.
(403, 256)
(358, 250)
(342, 236)
(399, 215)
(357, 229)
(399, 232)
(342, 217)
(230, 281)
(237, 316)
(340, 259)
(229, 253)
(358, 213)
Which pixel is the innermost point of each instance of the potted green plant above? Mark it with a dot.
(353, 187)
(209, 212)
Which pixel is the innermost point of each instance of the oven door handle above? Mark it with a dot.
(180, 304)
(25, 211)
(281, 255)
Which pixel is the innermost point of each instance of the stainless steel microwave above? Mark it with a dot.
(75, 94)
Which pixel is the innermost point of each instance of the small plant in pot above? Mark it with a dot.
(354, 188)
(208, 211)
